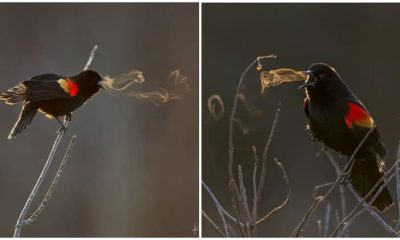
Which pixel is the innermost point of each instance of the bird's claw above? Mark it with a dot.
(68, 117)
(62, 129)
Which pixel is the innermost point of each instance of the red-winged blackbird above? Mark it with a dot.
(51, 94)
(339, 120)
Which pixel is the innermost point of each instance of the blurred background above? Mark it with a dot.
(134, 169)
(360, 40)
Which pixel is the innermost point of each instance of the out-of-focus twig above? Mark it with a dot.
(219, 207)
(265, 153)
(221, 233)
(397, 227)
(296, 232)
(237, 201)
(327, 218)
(288, 193)
(21, 222)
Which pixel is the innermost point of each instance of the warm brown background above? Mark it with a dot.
(360, 40)
(134, 168)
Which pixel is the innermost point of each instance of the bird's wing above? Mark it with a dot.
(48, 87)
(359, 122)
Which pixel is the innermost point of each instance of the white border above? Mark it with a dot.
(200, 121)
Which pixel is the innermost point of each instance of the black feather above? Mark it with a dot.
(25, 118)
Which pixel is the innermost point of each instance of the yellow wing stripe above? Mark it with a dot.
(365, 122)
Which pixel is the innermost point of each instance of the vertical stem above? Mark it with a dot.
(21, 219)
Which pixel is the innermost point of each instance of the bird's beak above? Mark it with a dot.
(101, 83)
(308, 83)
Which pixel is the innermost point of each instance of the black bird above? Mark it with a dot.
(339, 120)
(51, 94)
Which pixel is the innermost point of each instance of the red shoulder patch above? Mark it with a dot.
(69, 86)
(358, 116)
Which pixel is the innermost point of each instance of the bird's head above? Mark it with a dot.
(89, 82)
(323, 82)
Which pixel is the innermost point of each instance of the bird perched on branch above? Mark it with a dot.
(339, 120)
(51, 94)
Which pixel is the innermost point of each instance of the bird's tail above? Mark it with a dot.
(25, 118)
(364, 175)
(14, 95)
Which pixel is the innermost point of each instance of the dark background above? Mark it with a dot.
(359, 40)
(134, 168)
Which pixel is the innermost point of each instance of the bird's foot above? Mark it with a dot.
(62, 129)
(68, 117)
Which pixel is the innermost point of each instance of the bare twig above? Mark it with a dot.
(362, 201)
(346, 233)
(255, 191)
(49, 193)
(21, 219)
(327, 218)
(369, 209)
(288, 193)
(90, 58)
(314, 205)
(347, 224)
(265, 153)
(237, 201)
(317, 200)
(285, 201)
(213, 223)
(398, 186)
(319, 225)
(219, 207)
(244, 205)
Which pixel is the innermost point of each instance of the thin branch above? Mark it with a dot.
(90, 58)
(370, 210)
(53, 185)
(348, 223)
(245, 207)
(299, 228)
(288, 193)
(265, 153)
(317, 200)
(327, 218)
(398, 186)
(21, 219)
(236, 201)
(242, 210)
(21, 222)
(362, 201)
(285, 201)
(221, 233)
(255, 195)
(346, 233)
(219, 207)
(319, 226)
